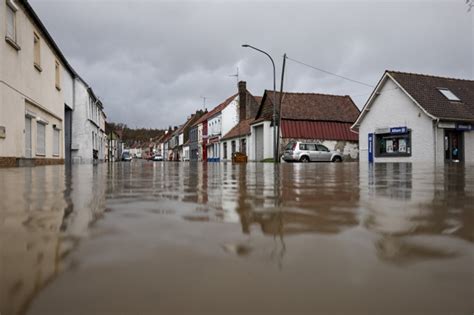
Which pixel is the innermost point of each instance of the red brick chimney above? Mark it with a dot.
(242, 86)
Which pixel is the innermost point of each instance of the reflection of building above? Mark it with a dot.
(418, 118)
(401, 200)
(42, 226)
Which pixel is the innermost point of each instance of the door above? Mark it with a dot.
(67, 134)
(28, 137)
(324, 153)
(453, 146)
(312, 151)
(259, 143)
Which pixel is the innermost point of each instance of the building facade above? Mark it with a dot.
(418, 118)
(35, 90)
(88, 126)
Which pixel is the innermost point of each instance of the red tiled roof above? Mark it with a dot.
(241, 129)
(320, 130)
(215, 110)
(310, 106)
(424, 89)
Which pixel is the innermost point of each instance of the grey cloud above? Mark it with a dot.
(150, 61)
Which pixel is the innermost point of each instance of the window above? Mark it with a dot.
(40, 138)
(11, 21)
(311, 147)
(322, 148)
(56, 137)
(58, 76)
(302, 146)
(225, 150)
(387, 145)
(449, 95)
(37, 52)
(233, 146)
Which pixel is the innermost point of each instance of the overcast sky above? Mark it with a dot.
(151, 61)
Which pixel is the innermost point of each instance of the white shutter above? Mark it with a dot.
(56, 136)
(40, 139)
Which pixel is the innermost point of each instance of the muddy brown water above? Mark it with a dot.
(185, 238)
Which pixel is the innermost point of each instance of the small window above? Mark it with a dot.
(56, 137)
(58, 76)
(310, 147)
(449, 95)
(302, 146)
(37, 51)
(40, 138)
(233, 146)
(11, 21)
(322, 148)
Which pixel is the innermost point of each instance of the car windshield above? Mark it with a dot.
(126, 155)
(322, 148)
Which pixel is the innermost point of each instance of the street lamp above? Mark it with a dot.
(275, 148)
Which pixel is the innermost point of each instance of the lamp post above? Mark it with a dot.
(275, 148)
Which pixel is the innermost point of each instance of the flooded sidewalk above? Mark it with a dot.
(218, 238)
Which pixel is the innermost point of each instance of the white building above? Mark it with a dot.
(35, 89)
(418, 118)
(89, 140)
(238, 137)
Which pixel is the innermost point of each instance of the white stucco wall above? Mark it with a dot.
(21, 82)
(86, 120)
(68, 88)
(393, 108)
(267, 141)
(469, 147)
(230, 116)
(214, 125)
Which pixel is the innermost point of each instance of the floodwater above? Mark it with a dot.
(185, 238)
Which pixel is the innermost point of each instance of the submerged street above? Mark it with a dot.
(184, 238)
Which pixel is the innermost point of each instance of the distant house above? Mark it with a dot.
(306, 117)
(237, 138)
(114, 145)
(418, 118)
(183, 136)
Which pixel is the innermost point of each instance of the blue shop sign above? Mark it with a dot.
(464, 127)
(398, 130)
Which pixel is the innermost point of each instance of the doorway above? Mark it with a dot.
(28, 137)
(453, 146)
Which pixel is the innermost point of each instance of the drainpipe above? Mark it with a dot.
(435, 134)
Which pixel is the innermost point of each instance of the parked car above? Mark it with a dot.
(157, 157)
(126, 156)
(310, 152)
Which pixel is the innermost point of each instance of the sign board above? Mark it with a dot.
(446, 125)
(382, 130)
(464, 127)
(2, 132)
(371, 147)
(398, 130)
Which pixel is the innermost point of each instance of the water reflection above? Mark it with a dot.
(362, 219)
(43, 213)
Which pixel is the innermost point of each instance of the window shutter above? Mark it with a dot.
(40, 139)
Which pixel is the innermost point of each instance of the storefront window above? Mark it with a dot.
(387, 145)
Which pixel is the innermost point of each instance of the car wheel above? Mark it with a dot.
(304, 159)
(337, 159)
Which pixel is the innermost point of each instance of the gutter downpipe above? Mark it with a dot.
(435, 134)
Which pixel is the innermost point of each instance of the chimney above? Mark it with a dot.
(242, 100)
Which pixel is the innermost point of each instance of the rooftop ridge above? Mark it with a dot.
(428, 75)
(309, 93)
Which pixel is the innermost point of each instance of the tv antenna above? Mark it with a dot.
(236, 75)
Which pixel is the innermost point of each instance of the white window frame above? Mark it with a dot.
(43, 144)
(11, 6)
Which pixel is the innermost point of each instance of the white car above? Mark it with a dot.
(310, 152)
(157, 158)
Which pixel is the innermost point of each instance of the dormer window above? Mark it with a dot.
(449, 95)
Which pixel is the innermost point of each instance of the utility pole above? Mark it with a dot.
(279, 105)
